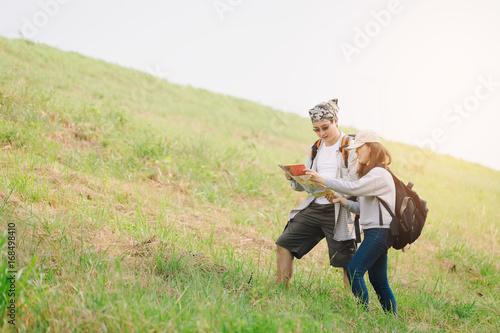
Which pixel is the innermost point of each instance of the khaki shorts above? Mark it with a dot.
(310, 226)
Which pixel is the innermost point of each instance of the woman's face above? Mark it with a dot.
(363, 153)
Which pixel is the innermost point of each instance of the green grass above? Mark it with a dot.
(143, 206)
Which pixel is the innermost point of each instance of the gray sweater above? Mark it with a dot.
(377, 182)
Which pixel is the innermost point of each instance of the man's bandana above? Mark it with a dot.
(324, 111)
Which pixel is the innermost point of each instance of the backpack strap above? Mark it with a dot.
(386, 206)
(394, 226)
(380, 214)
(357, 229)
(356, 222)
(346, 139)
(314, 150)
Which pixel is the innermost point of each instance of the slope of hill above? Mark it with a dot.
(140, 205)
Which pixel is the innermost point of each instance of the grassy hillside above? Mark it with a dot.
(142, 206)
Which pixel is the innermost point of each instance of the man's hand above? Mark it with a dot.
(287, 176)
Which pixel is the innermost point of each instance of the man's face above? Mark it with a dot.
(326, 130)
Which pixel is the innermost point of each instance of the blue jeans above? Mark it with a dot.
(372, 257)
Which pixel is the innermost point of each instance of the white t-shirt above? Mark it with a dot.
(327, 165)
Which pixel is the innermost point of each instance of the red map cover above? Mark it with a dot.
(296, 169)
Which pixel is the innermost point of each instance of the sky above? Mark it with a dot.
(422, 72)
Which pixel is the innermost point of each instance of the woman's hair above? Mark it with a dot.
(379, 156)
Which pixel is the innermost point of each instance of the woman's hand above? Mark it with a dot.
(287, 176)
(335, 198)
(314, 176)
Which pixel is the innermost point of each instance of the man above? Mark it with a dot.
(317, 218)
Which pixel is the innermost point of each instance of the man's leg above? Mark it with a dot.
(301, 234)
(285, 265)
(341, 253)
(347, 285)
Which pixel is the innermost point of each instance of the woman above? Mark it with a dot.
(374, 182)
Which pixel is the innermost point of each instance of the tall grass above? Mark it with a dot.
(142, 206)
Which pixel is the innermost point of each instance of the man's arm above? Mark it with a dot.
(295, 185)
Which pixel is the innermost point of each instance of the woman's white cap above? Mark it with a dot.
(363, 136)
